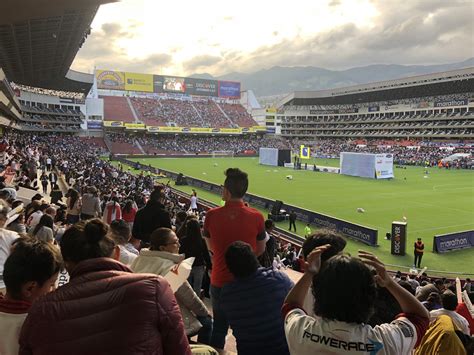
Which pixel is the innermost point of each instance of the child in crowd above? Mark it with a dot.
(30, 271)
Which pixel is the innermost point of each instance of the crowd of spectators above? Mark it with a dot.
(191, 112)
(115, 225)
(192, 144)
(49, 92)
(405, 152)
(407, 101)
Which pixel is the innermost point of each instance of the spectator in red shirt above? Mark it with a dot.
(224, 225)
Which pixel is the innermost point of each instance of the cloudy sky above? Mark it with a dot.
(217, 37)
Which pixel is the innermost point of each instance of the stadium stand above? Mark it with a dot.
(122, 144)
(117, 108)
(418, 107)
(238, 114)
(188, 144)
(191, 112)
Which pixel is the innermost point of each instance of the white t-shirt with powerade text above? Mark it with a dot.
(308, 335)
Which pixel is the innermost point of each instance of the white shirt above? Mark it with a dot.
(126, 257)
(6, 239)
(34, 219)
(460, 323)
(194, 205)
(307, 335)
(10, 326)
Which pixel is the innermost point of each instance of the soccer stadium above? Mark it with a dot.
(153, 213)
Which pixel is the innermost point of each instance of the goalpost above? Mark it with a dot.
(223, 153)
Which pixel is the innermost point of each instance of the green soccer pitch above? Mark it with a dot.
(440, 203)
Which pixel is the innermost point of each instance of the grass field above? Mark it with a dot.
(441, 203)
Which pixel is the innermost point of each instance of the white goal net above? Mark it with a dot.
(222, 153)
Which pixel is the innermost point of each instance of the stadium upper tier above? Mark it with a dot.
(436, 84)
(176, 112)
(400, 108)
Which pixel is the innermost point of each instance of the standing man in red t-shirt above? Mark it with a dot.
(223, 226)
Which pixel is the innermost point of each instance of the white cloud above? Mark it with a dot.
(183, 37)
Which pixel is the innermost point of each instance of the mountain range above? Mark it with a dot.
(280, 80)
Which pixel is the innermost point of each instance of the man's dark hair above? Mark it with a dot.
(236, 182)
(159, 237)
(157, 195)
(240, 259)
(322, 237)
(30, 260)
(330, 289)
(269, 224)
(449, 301)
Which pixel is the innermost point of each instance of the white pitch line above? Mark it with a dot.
(438, 206)
(435, 228)
(435, 187)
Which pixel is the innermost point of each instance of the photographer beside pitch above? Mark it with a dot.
(341, 322)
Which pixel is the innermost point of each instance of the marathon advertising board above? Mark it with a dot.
(94, 125)
(229, 89)
(463, 102)
(374, 108)
(453, 241)
(399, 238)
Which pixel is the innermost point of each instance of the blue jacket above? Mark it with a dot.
(252, 306)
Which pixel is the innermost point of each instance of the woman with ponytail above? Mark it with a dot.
(105, 307)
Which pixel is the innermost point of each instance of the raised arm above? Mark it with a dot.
(408, 303)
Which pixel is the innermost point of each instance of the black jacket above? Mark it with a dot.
(149, 218)
(198, 249)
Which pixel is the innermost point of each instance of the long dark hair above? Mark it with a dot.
(193, 230)
(128, 206)
(74, 196)
(45, 221)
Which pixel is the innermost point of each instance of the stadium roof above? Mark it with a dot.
(39, 39)
(449, 82)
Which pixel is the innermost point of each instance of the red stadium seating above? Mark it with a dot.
(116, 108)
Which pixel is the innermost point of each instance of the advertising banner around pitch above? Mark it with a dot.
(463, 102)
(94, 125)
(230, 130)
(399, 238)
(113, 124)
(453, 241)
(109, 79)
(139, 126)
(138, 82)
(384, 166)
